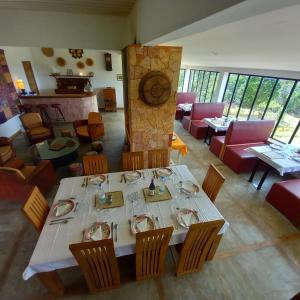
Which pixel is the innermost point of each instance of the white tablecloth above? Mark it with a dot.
(218, 124)
(283, 165)
(52, 249)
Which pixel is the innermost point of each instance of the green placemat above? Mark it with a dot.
(117, 200)
(158, 196)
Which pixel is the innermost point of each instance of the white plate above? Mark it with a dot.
(88, 233)
(164, 172)
(133, 176)
(141, 218)
(63, 207)
(184, 214)
(96, 179)
(188, 187)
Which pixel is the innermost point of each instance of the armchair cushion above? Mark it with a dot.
(31, 120)
(39, 131)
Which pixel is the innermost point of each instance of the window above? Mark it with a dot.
(261, 97)
(181, 80)
(203, 83)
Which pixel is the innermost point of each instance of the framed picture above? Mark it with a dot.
(69, 72)
(120, 77)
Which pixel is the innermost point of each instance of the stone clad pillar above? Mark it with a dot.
(149, 127)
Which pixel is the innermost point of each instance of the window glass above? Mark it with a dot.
(290, 118)
(249, 97)
(296, 139)
(211, 87)
(204, 86)
(181, 80)
(229, 91)
(200, 80)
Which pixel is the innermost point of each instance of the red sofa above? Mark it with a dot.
(240, 136)
(16, 184)
(195, 124)
(285, 196)
(182, 98)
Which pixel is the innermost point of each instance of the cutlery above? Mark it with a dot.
(62, 219)
(157, 220)
(61, 222)
(86, 182)
(112, 229)
(121, 178)
(124, 178)
(107, 180)
(116, 228)
(83, 183)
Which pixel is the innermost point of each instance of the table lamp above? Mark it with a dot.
(20, 85)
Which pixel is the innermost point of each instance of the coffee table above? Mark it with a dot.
(66, 155)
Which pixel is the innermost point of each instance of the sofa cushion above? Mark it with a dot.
(285, 196)
(186, 122)
(206, 110)
(239, 159)
(216, 144)
(198, 129)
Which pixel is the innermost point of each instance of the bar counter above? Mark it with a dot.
(73, 106)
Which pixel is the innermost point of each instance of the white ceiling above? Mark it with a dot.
(111, 7)
(267, 41)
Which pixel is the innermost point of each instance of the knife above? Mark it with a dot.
(112, 230)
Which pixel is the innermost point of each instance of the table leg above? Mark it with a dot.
(52, 282)
(263, 178)
(254, 170)
(206, 135)
(211, 135)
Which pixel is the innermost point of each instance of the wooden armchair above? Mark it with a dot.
(91, 129)
(17, 184)
(36, 130)
(7, 152)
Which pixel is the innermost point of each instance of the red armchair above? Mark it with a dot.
(285, 196)
(240, 136)
(195, 124)
(182, 98)
(16, 184)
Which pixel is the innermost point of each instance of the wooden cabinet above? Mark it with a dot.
(109, 98)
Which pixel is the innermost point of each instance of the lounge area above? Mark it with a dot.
(149, 170)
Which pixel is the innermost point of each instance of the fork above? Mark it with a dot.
(116, 229)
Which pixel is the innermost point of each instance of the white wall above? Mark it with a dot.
(43, 66)
(62, 30)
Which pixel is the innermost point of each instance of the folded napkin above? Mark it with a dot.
(62, 209)
(186, 218)
(143, 225)
(97, 234)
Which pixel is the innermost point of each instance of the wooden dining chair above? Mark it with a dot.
(213, 182)
(98, 263)
(151, 250)
(158, 158)
(36, 209)
(95, 164)
(196, 247)
(133, 161)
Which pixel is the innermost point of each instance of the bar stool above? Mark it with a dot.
(28, 108)
(43, 112)
(58, 112)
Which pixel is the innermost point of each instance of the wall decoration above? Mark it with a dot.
(89, 62)
(30, 77)
(61, 61)
(108, 62)
(49, 52)
(80, 65)
(69, 72)
(120, 77)
(76, 53)
(155, 88)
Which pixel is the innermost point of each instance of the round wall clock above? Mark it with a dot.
(80, 65)
(61, 61)
(49, 52)
(155, 88)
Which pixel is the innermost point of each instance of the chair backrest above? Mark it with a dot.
(36, 209)
(31, 120)
(206, 110)
(197, 245)
(158, 158)
(133, 161)
(246, 132)
(95, 164)
(213, 182)
(94, 118)
(13, 171)
(151, 250)
(185, 97)
(98, 263)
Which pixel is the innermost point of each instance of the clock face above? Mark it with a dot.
(155, 88)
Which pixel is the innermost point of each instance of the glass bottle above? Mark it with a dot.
(101, 193)
(152, 188)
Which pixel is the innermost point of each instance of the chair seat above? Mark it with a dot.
(82, 131)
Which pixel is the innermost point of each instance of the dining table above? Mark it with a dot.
(52, 252)
(280, 157)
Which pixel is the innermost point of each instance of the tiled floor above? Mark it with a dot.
(259, 257)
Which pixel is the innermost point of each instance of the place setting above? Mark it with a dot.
(63, 211)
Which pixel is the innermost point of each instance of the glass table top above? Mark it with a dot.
(44, 152)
